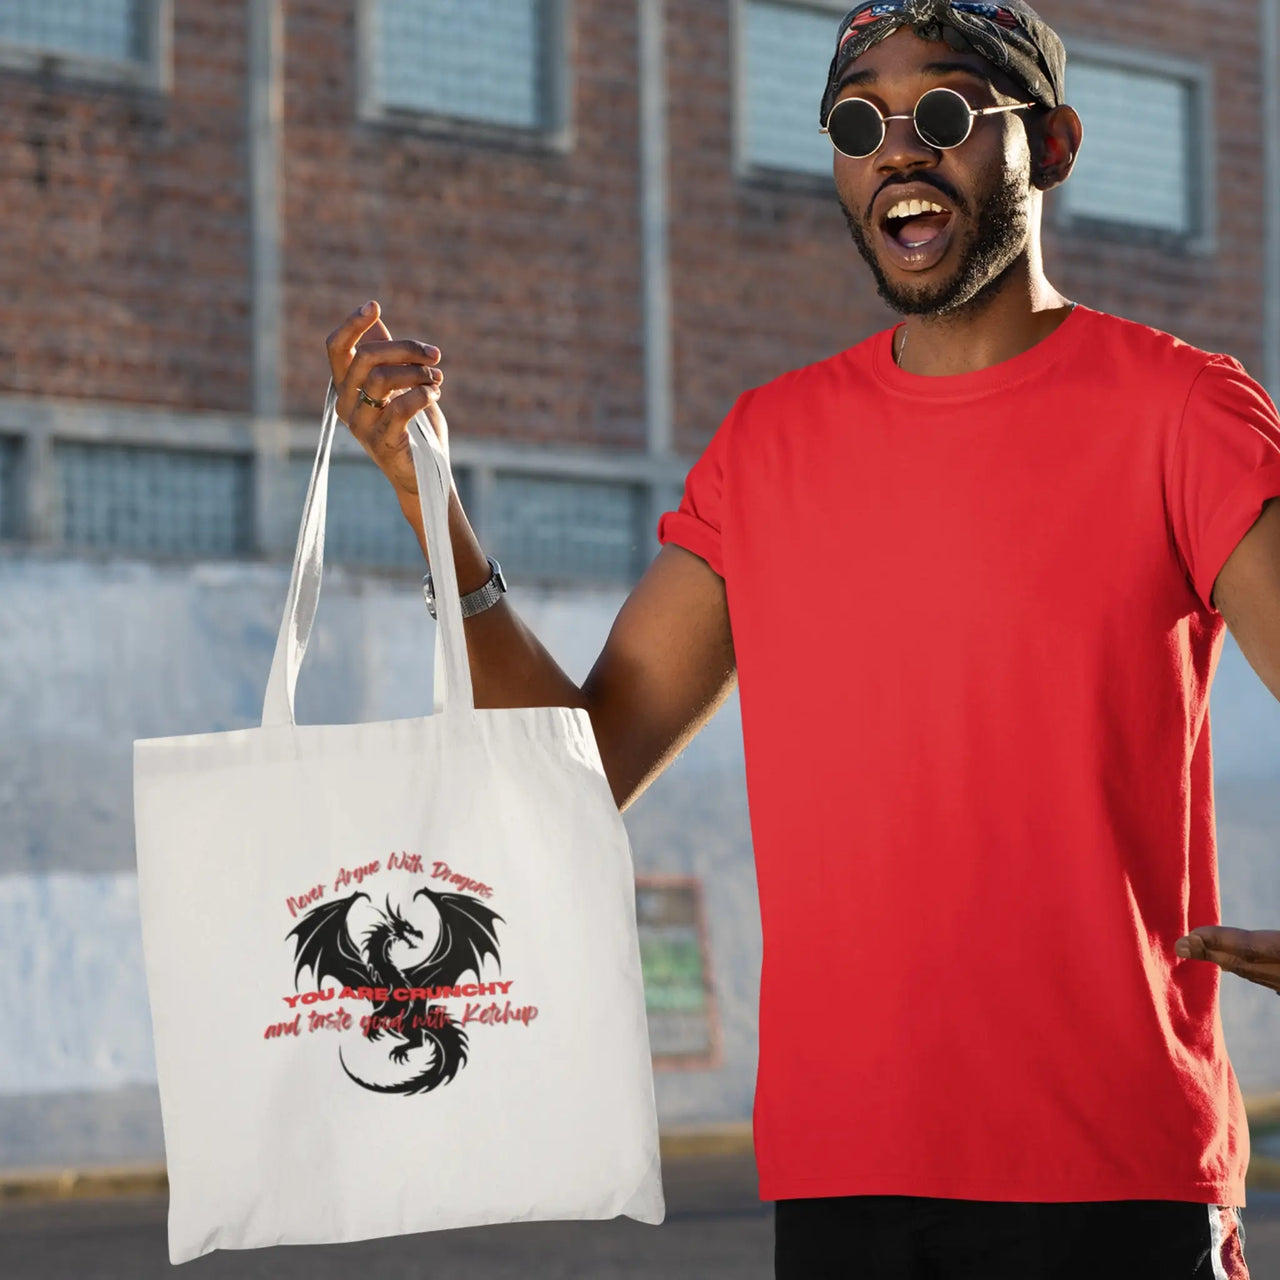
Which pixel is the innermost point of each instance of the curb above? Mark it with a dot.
(1263, 1111)
(26, 1186)
(701, 1141)
(31, 1185)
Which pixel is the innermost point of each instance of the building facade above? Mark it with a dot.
(612, 219)
(195, 195)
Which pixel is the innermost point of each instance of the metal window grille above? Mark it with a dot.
(154, 501)
(1136, 166)
(556, 528)
(482, 60)
(787, 50)
(10, 448)
(363, 523)
(112, 29)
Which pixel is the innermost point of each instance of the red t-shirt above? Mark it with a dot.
(975, 641)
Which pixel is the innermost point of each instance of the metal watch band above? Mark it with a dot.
(473, 602)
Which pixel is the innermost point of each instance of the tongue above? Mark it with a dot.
(922, 229)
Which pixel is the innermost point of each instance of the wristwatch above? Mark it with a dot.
(474, 601)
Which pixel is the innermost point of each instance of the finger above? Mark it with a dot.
(1232, 961)
(389, 433)
(348, 397)
(341, 343)
(376, 332)
(383, 383)
(1262, 945)
(369, 355)
(1264, 975)
(1236, 963)
(386, 379)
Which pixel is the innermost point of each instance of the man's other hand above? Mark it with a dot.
(1249, 953)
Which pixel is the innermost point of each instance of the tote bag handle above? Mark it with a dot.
(452, 675)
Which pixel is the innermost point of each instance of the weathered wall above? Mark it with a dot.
(766, 277)
(522, 265)
(127, 236)
(94, 655)
(124, 278)
(1213, 301)
(124, 268)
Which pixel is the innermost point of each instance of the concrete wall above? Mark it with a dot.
(95, 654)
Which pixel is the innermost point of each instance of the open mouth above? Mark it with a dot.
(917, 232)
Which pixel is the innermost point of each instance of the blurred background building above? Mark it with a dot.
(612, 218)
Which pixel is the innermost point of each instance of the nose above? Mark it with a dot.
(903, 149)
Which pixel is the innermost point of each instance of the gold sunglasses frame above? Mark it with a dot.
(973, 111)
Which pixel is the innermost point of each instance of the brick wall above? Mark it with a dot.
(522, 266)
(767, 278)
(123, 273)
(126, 234)
(1213, 302)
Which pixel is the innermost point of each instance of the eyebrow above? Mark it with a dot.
(869, 76)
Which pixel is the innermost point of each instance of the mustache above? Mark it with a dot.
(925, 180)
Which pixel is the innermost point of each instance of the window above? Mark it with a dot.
(487, 63)
(96, 28)
(10, 522)
(1144, 165)
(102, 39)
(538, 526)
(784, 53)
(154, 501)
(549, 527)
(363, 521)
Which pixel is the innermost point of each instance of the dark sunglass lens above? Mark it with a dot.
(942, 118)
(855, 127)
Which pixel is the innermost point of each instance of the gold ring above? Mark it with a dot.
(368, 399)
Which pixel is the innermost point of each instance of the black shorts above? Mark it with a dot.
(921, 1238)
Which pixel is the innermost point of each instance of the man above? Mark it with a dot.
(973, 576)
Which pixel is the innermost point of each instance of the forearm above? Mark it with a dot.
(668, 661)
(666, 666)
(510, 667)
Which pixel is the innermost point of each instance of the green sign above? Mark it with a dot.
(677, 985)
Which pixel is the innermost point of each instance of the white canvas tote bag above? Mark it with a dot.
(393, 968)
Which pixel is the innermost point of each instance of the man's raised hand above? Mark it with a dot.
(402, 376)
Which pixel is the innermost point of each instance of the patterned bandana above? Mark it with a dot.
(1011, 36)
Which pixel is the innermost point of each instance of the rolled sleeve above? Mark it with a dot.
(698, 524)
(1224, 466)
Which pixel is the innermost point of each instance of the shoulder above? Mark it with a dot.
(1140, 348)
(810, 387)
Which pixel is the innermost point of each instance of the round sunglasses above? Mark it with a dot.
(943, 119)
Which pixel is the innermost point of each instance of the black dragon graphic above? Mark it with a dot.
(325, 946)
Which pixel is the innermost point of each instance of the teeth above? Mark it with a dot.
(914, 208)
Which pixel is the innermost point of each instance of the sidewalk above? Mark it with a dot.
(716, 1229)
(700, 1143)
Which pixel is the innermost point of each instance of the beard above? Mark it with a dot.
(999, 237)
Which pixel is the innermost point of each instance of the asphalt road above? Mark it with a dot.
(715, 1229)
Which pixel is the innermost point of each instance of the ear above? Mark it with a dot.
(1055, 143)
